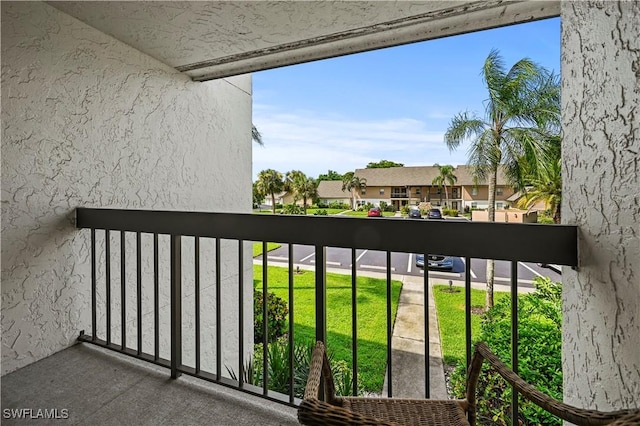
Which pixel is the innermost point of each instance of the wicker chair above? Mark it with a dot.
(340, 411)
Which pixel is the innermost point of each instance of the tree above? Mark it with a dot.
(255, 135)
(520, 100)
(270, 182)
(308, 190)
(383, 164)
(258, 197)
(351, 182)
(446, 176)
(546, 186)
(330, 175)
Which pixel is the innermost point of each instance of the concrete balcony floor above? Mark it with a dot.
(102, 387)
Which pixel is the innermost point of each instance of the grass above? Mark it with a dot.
(450, 308)
(257, 248)
(371, 310)
(329, 211)
(364, 213)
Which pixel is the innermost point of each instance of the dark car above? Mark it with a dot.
(374, 212)
(434, 214)
(415, 213)
(436, 261)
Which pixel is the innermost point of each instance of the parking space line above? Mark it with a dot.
(409, 263)
(529, 268)
(381, 268)
(473, 275)
(361, 254)
(307, 257)
(328, 262)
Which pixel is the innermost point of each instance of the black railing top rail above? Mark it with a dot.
(556, 244)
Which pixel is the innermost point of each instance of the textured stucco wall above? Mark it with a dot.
(90, 121)
(601, 150)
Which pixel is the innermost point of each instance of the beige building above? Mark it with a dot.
(400, 186)
(330, 191)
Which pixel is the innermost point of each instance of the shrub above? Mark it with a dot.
(453, 212)
(276, 313)
(467, 209)
(365, 207)
(540, 363)
(337, 205)
(405, 209)
(323, 205)
(292, 209)
(321, 212)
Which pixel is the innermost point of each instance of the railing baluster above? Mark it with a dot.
(291, 322)
(93, 285)
(514, 338)
(139, 288)
(389, 330)
(218, 314)
(427, 345)
(107, 246)
(123, 291)
(265, 321)
(156, 299)
(467, 309)
(240, 314)
(354, 321)
(321, 294)
(176, 305)
(197, 301)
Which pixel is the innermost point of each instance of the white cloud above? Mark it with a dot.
(314, 143)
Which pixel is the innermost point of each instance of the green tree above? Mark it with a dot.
(546, 185)
(308, 190)
(351, 182)
(255, 135)
(520, 100)
(383, 164)
(330, 175)
(270, 182)
(446, 176)
(258, 197)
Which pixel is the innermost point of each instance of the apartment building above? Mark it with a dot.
(400, 186)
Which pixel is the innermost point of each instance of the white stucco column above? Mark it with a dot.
(601, 151)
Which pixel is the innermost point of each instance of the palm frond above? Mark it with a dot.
(462, 126)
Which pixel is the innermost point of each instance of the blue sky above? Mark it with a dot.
(393, 104)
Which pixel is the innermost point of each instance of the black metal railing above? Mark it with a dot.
(400, 194)
(555, 244)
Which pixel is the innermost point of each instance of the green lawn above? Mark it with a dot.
(364, 213)
(371, 308)
(329, 211)
(450, 307)
(257, 248)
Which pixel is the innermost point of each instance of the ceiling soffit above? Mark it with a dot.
(209, 40)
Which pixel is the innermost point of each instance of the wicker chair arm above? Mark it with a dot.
(320, 373)
(578, 416)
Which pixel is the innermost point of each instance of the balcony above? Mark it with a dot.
(399, 194)
(148, 304)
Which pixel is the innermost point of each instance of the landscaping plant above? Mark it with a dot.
(539, 354)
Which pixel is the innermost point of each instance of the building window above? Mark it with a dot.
(417, 191)
(474, 191)
(474, 205)
(363, 191)
(499, 206)
(382, 191)
(498, 191)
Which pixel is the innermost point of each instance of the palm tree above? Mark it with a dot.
(446, 175)
(308, 190)
(520, 100)
(270, 182)
(255, 135)
(546, 186)
(351, 182)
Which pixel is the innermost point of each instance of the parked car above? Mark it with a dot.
(414, 213)
(436, 261)
(434, 214)
(374, 212)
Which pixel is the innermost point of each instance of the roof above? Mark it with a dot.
(416, 176)
(331, 189)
